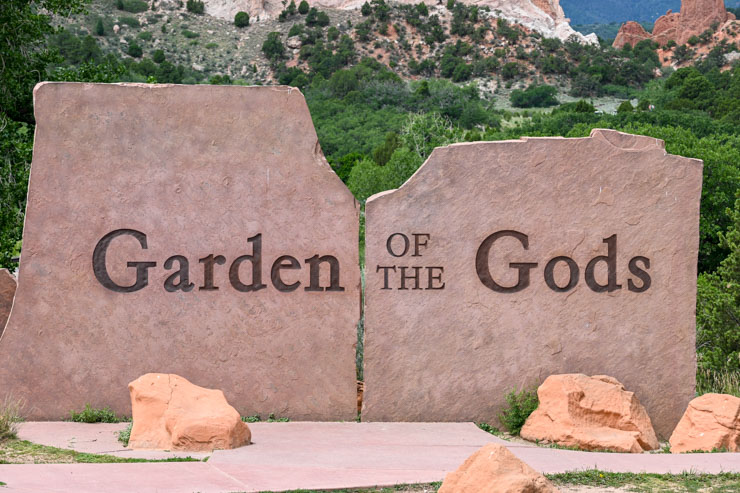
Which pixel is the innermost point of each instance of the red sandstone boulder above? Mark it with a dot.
(630, 33)
(7, 293)
(494, 468)
(711, 422)
(171, 413)
(590, 413)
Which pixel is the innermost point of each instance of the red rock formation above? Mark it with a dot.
(630, 33)
(696, 16)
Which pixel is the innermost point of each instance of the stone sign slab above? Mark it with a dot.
(7, 293)
(195, 230)
(498, 264)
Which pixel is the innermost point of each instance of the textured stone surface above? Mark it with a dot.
(452, 354)
(545, 16)
(590, 413)
(711, 422)
(494, 468)
(170, 413)
(7, 293)
(200, 170)
(696, 16)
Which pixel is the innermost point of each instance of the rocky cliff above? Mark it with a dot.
(696, 16)
(544, 16)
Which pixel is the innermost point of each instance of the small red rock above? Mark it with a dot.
(590, 413)
(170, 413)
(711, 422)
(493, 468)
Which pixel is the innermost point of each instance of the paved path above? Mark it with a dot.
(288, 456)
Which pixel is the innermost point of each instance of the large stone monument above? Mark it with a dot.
(499, 264)
(195, 230)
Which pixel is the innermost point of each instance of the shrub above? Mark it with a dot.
(145, 35)
(190, 34)
(519, 406)
(10, 415)
(625, 107)
(93, 415)
(158, 56)
(694, 40)
(134, 50)
(196, 6)
(133, 6)
(534, 97)
(211, 46)
(510, 70)
(241, 19)
(303, 7)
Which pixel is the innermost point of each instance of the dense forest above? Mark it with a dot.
(377, 124)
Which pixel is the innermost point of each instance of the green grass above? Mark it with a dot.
(43, 454)
(491, 429)
(685, 482)
(399, 487)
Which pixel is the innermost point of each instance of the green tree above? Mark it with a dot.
(625, 107)
(382, 154)
(366, 9)
(158, 56)
(24, 26)
(303, 7)
(718, 310)
(273, 47)
(99, 28)
(241, 19)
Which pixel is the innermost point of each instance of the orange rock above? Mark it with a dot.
(173, 414)
(696, 16)
(494, 468)
(712, 421)
(630, 33)
(591, 413)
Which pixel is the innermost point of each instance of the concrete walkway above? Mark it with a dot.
(287, 456)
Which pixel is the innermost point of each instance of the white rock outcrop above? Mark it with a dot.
(544, 16)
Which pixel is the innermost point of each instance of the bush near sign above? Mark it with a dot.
(546, 256)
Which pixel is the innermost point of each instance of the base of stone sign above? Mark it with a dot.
(306, 455)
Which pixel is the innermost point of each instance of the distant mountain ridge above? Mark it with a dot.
(608, 11)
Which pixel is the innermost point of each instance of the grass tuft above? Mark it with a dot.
(11, 414)
(125, 435)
